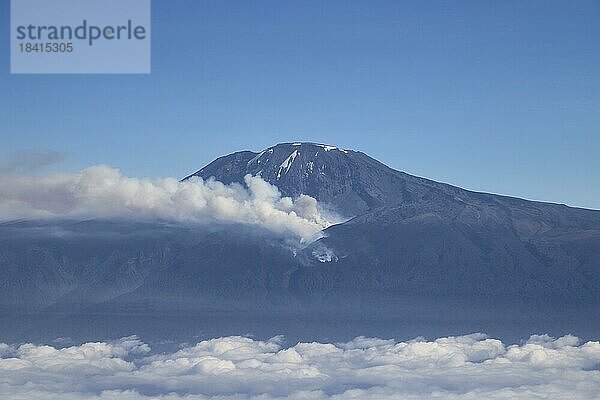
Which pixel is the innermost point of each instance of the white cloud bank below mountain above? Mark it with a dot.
(101, 191)
(464, 367)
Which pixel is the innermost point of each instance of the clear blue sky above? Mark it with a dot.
(499, 96)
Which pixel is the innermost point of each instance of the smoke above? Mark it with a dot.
(468, 367)
(28, 161)
(101, 191)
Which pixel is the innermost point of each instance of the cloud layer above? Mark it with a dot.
(101, 191)
(465, 367)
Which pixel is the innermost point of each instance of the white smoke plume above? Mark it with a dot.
(471, 367)
(101, 191)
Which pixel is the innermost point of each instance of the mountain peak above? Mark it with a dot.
(307, 146)
(304, 155)
(349, 180)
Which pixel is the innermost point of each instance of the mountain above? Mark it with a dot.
(417, 257)
(349, 180)
(418, 244)
(355, 184)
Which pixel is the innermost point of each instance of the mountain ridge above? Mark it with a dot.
(364, 184)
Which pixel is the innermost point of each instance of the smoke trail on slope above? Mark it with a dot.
(101, 191)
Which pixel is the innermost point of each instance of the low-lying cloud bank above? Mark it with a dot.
(101, 191)
(465, 367)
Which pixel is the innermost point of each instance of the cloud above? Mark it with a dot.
(28, 161)
(101, 191)
(464, 367)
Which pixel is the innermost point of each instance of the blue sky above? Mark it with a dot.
(493, 96)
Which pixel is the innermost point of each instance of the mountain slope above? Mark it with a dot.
(419, 242)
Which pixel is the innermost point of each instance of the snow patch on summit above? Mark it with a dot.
(329, 148)
(286, 165)
(256, 158)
